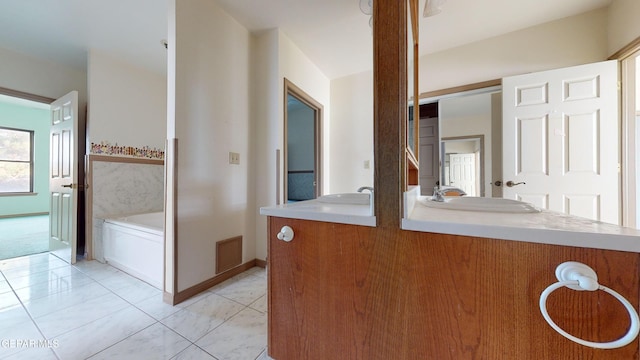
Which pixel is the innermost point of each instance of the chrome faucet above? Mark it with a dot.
(437, 194)
(361, 189)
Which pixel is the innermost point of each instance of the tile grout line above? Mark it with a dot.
(29, 315)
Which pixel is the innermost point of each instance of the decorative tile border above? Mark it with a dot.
(105, 148)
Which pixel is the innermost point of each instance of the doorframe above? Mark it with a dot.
(629, 143)
(481, 172)
(318, 109)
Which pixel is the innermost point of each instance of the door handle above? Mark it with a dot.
(70, 186)
(497, 183)
(512, 184)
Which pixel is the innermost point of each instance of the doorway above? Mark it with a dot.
(24, 186)
(463, 163)
(303, 141)
(630, 76)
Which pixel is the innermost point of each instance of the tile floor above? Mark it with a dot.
(52, 310)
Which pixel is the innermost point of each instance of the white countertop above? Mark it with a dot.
(545, 227)
(327, 212)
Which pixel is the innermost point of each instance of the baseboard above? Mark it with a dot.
(261, 263)
(23, 215)
(185, 294)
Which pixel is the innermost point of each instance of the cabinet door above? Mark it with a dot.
(313, 290)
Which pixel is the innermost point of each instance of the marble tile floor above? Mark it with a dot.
(52, 310)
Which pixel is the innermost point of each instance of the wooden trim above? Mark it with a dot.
(278, 198)
(390, 110)
(122, 159)
(261, 263)
(462, 88)
(626, 50)
(185, 294)
(175, 216)
(26, 96)
(88, 210)
(291, 89)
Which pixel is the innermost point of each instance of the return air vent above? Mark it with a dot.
(228, 254)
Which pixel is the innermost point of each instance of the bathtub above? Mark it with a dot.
(135, 245)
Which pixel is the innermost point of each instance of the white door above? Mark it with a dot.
(462, 172)
(560, 140)
(63, 177)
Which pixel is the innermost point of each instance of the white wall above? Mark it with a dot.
(570, 41)
(295, 66)
(275, 57)
(211, 118)
(267, 101)
(127, 104)
(41, 77)
(351, 132)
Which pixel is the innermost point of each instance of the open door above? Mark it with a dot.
(63, 177)
(303, 145)
(561, 140)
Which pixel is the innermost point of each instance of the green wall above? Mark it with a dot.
(36, 119)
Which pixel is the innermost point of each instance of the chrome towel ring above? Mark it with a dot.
(578, 276)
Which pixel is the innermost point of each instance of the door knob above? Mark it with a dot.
(512, 184)
(497, 183)
(285, 234)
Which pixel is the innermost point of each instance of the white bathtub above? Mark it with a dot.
(135, 245)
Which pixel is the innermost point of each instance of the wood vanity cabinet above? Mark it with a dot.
(354, 292)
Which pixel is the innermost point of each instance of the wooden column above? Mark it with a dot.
(389, 108)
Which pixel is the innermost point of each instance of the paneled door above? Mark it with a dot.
(63, 177)
(462, 172)
(561, 140)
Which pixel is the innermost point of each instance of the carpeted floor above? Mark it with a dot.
(21, 236)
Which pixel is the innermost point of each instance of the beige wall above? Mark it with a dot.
(41, 77)
(266, 94)
(571, 41)
(624, 26)
(276, 58)
(211, 118)
(122, 96)
(351, 132)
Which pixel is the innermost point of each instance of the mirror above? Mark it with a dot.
(413, 112)
(468, 125)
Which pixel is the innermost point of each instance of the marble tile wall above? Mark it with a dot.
(120, 188)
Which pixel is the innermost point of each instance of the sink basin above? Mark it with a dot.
(473, 203)
(346, 198)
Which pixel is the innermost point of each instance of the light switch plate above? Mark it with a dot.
(234, 158)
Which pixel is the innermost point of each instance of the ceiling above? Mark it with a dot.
(334, 34)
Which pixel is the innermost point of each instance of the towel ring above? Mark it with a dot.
(580, 277)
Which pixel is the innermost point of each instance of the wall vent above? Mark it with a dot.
(228, 254)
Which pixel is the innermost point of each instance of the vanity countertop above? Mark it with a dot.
(545, 227)
(320, 211)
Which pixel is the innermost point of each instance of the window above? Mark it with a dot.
(16, 160)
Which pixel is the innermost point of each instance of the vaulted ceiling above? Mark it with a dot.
(334, 34)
